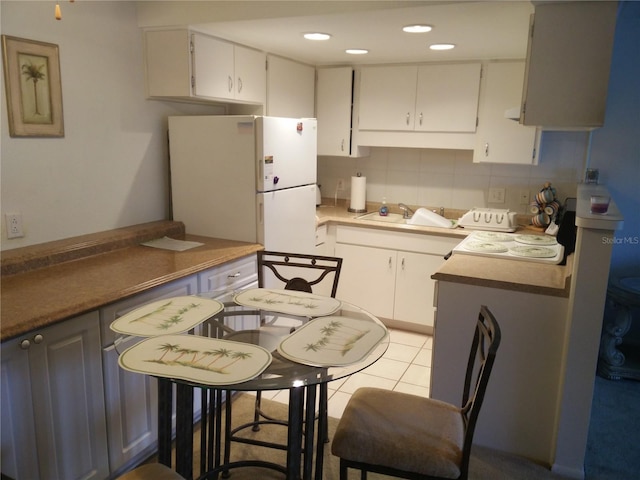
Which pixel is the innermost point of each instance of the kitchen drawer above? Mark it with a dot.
(229, 276)
(411, 242)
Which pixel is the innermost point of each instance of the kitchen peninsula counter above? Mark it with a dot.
(515, 275)
(48, 283)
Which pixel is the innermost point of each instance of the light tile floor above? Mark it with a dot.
(405, 367)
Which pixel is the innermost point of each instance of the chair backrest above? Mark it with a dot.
(486, 340)
(298, 271)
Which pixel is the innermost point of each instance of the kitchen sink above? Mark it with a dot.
(390, 218)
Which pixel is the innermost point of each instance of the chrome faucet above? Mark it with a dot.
(406, 211)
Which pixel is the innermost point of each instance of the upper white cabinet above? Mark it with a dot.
(335, 100)
(426, 98)
(568, 62)
(500, 139)
(290, 88)
(186, 65)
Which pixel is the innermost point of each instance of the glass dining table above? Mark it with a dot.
(256, 340)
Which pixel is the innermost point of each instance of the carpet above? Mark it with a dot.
(485, 464)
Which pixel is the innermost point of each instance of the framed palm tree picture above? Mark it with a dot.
(33, 87)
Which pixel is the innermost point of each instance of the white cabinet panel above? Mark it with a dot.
(213, 70)
(389, 273)
(426, 98)
(290, 88)
(500, 139)
(185, 65)
(63, 371)
(414, 287)
(568, 67)
(388, 98)
(367, 278)
(447, 98)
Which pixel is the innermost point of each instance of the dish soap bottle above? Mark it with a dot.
(384, 210)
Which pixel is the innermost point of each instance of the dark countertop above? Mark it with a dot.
(73, 284)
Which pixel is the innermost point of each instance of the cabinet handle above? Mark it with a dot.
(234, 275)
(390, 262)
(486, 149)
(403, 263)
(230, 80)
(239, 85)
(342, 145)
(420, 118)
(38, 338)
(408, 117)
(25, 344)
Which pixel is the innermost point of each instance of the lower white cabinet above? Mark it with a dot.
(53, 421)
(131, 399)
(389, 273)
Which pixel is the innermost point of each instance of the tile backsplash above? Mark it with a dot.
(450, 179)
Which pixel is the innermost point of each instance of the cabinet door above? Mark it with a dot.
(132, 406)
(68, 400)
(333, 110)
(415, 288)
(212, 67)
(19, 450)
(387, 98)
(568, 63)
(500, 139)
(447, 97)
(130, 398)
(290, 88)
(367, 278)
(250, 75)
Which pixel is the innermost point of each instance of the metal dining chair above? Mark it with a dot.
(302, 273)
(299, 272)
(409, 436)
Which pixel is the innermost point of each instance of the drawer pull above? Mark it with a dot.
(25, 344)
(38, 338)
(233, 275)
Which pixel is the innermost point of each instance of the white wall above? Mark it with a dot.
(110, 169)
(450, 179)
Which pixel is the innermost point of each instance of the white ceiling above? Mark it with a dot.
(480, 29)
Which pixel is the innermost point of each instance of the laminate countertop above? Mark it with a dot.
(48, 283)
(514, 275)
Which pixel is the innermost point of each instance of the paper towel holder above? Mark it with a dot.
(352, 208)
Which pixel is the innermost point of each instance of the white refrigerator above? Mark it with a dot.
(247, 178)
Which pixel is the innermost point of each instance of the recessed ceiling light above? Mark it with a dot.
(356, 51)
(317, 36)
(442, 46)
(416, 28)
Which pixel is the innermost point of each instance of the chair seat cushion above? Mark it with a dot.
(401, 431)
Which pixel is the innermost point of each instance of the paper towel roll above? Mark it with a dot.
(358, 194)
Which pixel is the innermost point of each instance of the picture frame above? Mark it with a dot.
(33, 87)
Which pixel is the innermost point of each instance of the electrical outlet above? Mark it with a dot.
(524, 197)
(340, 184)
(14, 225)
(497, 195)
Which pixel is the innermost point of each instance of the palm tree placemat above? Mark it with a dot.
(290, 302)
(208, 361)
(332, 341)
(171, 315)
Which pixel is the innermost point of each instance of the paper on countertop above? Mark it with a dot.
(172, 244)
